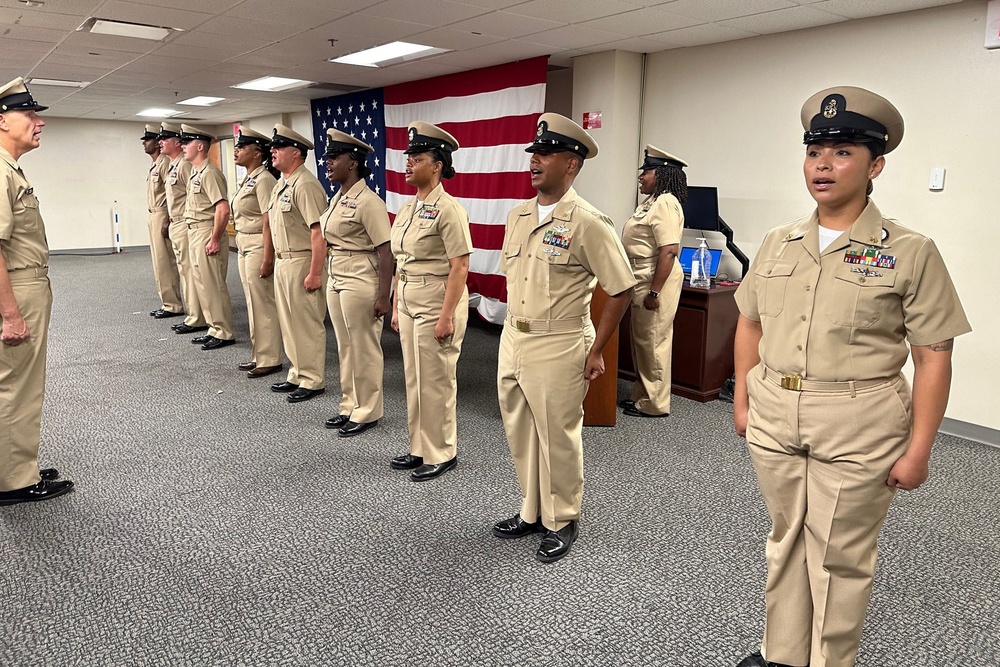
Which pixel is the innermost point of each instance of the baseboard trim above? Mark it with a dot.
(987, 436)
(96, 252)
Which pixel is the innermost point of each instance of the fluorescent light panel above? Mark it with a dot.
(160, 113)
(273, 84)
(62, 83)
(202, 101)
(388, 54)
(126, 29)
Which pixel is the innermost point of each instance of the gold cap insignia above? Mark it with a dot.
(830, 110)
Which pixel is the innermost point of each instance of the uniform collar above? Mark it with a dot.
(8, 158)
(255, 172)
(435, 195)
(355, 190)
(295, 175)
(867, 229)
(562, 211)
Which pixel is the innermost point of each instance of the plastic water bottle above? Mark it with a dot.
(701, 266)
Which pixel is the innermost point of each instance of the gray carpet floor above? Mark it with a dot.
(215, 524)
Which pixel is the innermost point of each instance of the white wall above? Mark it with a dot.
(732, 111)
(80, 168)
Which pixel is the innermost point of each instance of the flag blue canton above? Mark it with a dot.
(360, 114)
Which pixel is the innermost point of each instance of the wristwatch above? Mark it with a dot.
(653, 293)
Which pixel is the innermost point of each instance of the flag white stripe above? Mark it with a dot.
(481, 211)
(517, 101)
(486, 262)
(493, 310)
(477, 160)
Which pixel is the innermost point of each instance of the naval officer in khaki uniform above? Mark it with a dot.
(296, 204)
(25, 307)
(206, 214)
(356, 228)
(176, 190)
(256, 250)
(831, 308)
(557, 247)
(432, 243)
(652, 239)
(168, 280)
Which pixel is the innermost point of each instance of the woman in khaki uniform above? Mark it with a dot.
(829, 312)
(432, 244)
(356, 228)
(652, 239)
(256, 250)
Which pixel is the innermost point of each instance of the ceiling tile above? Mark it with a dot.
(211, 40)
(572, 11)
(68, 72)
(151, 14)
(314, 45)
(108, 60)
(783, 20)
(217, 51)
(217, 6)
(430, 12)
(23, 47)
(446, 38)
(93, 42)
(635, 45)
(707, 33)
(74, 7)
(491, 4)
(718, 11)
(642, 22)
(165, 66)
(506, 25)
(386, 30)
(565, 58)
(304, 16)
(572, 36)
(239, 28)
(857, 9)
(32, 34)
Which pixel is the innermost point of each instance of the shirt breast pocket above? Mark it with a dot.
(772, 278)
(856, 300)
(510, 256)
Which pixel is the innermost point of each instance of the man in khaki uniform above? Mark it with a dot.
(356, 228)
(178, 176)
(168, 281)
(556, 249)
(206, 214)
(297, 202)
(830, 310)
(25, 307)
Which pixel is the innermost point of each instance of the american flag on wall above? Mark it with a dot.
(492, 112)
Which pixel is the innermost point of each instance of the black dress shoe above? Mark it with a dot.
(431, 470)
(49, 474)
(164, 314)
(556, 543)
(336, 422)
(351, 429)
(247, 366)
(262, 371)
(283, 387)
(216, 343)
(515, 527)
(633, 412)
(406, 462)
(44, 490)
(757, 660)
(187, 329)
(201, 340)
(303, 394)
(153, 313)
(626, 403)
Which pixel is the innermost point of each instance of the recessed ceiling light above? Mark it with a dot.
(202, 101)
(160, 113)
(32, 3)
(126, 29)
(273, 84)
(388, 54)
(35, 81)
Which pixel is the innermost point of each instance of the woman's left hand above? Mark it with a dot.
(444, 330)
(908, 473)
(651, 302)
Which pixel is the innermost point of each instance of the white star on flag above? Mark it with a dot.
(317, 113)
(378, 190)
(376, 162)
(369, 119)
(374, 105)
(375, 133)
(350, 108)
(362, 106)
(324, 124)
(339, 111)
(328, 111)
(363, 136)
(357, 121)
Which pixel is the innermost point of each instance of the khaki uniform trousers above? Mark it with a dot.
(653, 341)
(182, 252)
(541, 389)
(22, 382)
(262, 311)
(822, 472)
(168, 280)
(352, 289)
(300, 315)
(430, 367)
(210, 280)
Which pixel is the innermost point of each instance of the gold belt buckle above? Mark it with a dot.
(402, 277)
(523, 326)
(791, 382)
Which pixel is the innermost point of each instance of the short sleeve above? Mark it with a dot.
(310, 200)
(213, 185)
(746, 293)
(666, 219)
(7, 205)
(932, 311)
(454, 230)
(602, 254)
(262, 190)
(376, 220)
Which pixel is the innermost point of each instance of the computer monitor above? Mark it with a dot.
(688, 253)
(701, 210)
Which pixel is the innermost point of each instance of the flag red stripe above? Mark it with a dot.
(502, 185)
(476, 133)
(525, 73)
(489, 285)
(487, 237)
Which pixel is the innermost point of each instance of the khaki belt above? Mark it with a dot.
(200, 223)
(293, 254)
(250, 233)
(525, 325)
(157, 210)
(425, 280)
(336, 252)
(30, 272)
(793, 382)
(642, 261)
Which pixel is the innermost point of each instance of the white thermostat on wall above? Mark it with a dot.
(937, 179)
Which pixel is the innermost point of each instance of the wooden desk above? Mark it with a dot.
(704, 329)
(600, 407)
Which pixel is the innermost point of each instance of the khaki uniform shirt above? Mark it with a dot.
(177, 182)
(22, 232)
(356, 220)
(848, 312)
(206, 188)
(425, 237)
(655, 223)
(552, 266)
(295, 205)
(156, 183)
(251, 201)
